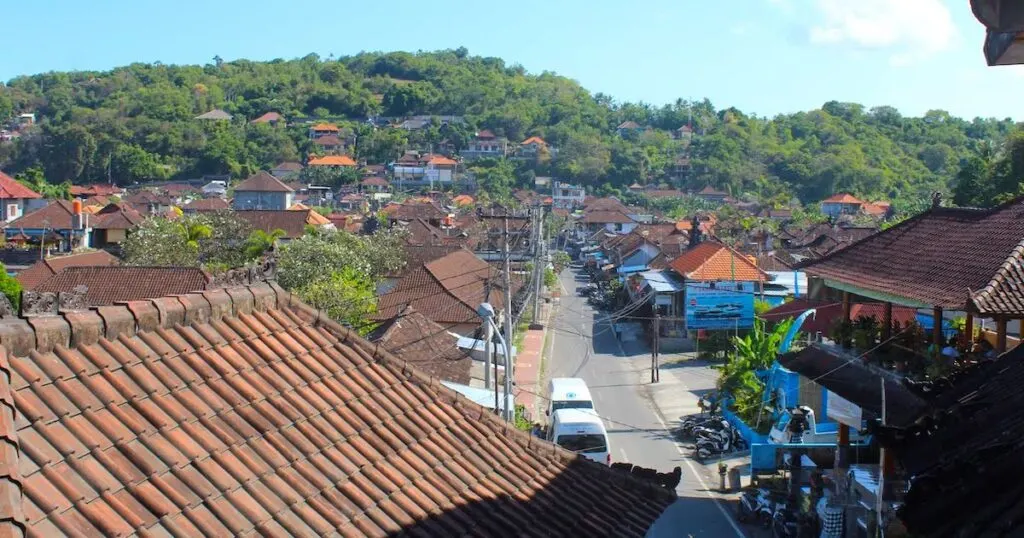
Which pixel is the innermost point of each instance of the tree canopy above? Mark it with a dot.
(137, 123)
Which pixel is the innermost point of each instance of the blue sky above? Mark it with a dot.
(761, 56)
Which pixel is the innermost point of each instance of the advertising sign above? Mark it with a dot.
(843, 411)
(718, 308)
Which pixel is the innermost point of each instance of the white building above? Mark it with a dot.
(567, 196)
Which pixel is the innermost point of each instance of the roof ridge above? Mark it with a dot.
(1014, 260)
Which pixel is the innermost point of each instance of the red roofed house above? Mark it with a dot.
(263, 191)
(329, 144)
(98, 189)
(486, 146)
(241, 411)
(323, 129)
(710, 261)
(17, 199)
(841, 204)
(42, 270)
(338, 161)
(424, 169)
(533, 148)
(712, 194)
(271, 118)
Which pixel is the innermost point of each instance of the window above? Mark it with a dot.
(587, 443)
(12, 211)
(571, 404)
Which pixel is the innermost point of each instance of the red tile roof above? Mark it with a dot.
(292, 223)
(332, 160)
(42, 270)
(414, 210)
(842, 198)
(263, 182)
(289, 166)
(10, 189)
(56, 215)
(208, 204)
(605, 217)
(326, 128)
(268, 117)
(98, 189)
(534, 140)
(447, 290)
(110, 284)
(714, 261)
(374, 181)
(628, 124)
(946, 257)
(415, 339)
(244, 412)
(829, 314)
(116, 217)
(441, 160)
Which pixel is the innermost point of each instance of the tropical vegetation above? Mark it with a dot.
(137, 123)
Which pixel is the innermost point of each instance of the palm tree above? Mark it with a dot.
(260, 242)
(193, 232)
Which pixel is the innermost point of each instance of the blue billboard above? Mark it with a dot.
(725, 306)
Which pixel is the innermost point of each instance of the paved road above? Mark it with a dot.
(618, 374)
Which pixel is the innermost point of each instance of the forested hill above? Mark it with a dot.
(136, 123)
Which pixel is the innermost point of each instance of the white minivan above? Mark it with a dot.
(568, 393)
(581, 431)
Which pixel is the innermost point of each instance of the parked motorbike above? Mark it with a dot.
(756, 506)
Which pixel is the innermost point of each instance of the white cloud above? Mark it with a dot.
(910, 29)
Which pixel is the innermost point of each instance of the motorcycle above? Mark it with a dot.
(756, 506)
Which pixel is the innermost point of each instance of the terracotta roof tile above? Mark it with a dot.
(268, 117)
(329, 140)
(263, 182)
(332, 160)
(208, 204)
(325, 128)
(298, 426)
(110, 283)
(11, 189)
(374, 181)
(42, 270)
(293, 223)
(116, 217)
(56, 215)
(948, 257)
(534, 140)
(604, 217)
(714, 261)
(415, 339)
(842, 198)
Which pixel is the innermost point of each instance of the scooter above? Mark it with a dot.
(756, 506)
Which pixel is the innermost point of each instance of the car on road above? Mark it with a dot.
(568, 393)
(581, 431)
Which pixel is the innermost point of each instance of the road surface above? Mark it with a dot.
(584, 345)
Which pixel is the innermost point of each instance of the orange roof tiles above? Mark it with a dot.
(842, 198)
(534, 140)
(243, 412)
(326, 128)
(332, 160)
(715, 261)
(463, 199)
(441, 160)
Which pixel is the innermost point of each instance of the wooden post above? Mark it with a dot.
(887, 323)
(1000, 334)
(937, 332)
(969, 332)
(847, 307)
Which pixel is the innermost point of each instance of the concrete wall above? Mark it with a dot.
(262, 200)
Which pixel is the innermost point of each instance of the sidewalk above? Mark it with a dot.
(528, 363)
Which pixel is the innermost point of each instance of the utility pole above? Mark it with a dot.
(655, 369)
(882, 472)
(509, 413)
(489, 353)
(540, 268)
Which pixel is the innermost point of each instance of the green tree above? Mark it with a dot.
(348, 296)
(260, 242)
(160, 242)
(11, 288)
(67, 151)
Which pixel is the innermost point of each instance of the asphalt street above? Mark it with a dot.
(618, 374)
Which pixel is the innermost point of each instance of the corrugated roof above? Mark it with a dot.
(245, 412)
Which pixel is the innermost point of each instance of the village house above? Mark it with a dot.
(841, 204)
(56, 225)
(110, 225)
(270, 118)
(712, 194)
(323, 129)
(534, 148)
(416, 169)
(333, 161)
(286, 170)
(215, 115)
(485, 145)
(17, 199)
(567, 196)
(263, 191)
(292, 222)
(42, 270)
(629, 127)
